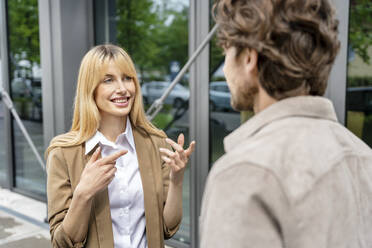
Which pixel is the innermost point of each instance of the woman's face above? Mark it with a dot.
(115, 94)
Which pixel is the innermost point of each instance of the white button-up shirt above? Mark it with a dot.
(125, 190)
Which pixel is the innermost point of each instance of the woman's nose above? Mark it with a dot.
(120, 86)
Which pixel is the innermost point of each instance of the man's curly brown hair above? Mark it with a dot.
(296, 40)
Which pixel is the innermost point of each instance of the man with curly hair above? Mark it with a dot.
(292, 176)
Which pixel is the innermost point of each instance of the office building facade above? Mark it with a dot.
(43, 41)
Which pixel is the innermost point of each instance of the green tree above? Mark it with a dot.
(173, 39)
(153, 34)
(136, 31)
(360, 33)
(23, 25)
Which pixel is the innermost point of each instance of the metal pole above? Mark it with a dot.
(8, 102)
(158, 104)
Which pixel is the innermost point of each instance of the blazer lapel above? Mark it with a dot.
(144, 150)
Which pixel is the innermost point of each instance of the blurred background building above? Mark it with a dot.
(42, 43)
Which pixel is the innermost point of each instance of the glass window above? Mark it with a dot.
(25, 88)
(359, 86)
(222, 118)
(3, 165)
(155, 34)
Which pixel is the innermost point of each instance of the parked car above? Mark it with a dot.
(219, 96)
(359, 99)
(155, 89)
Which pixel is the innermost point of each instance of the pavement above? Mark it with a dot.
(22, 222)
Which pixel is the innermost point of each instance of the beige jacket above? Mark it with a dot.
(292, 177)
(64, 167)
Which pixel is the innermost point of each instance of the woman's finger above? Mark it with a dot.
(171, 164)
(167, 160)
(191, 149)
(178, 147)
(112, 158)
(95, 155)
(175, 145)
(178, 159)
(168, 152)
(181, 140)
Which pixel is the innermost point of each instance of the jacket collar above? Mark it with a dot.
(300, 106)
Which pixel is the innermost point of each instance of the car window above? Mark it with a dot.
(179, 87)
(368, 98)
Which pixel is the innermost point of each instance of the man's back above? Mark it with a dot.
(292, 177)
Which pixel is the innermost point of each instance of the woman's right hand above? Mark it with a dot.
(98, 173)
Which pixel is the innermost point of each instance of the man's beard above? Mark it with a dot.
(243, 98)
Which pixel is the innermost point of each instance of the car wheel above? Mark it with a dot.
(178, 103)
(212, 106)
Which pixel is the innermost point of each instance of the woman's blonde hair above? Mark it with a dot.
(86, 117)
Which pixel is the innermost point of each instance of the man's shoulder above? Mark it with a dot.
(298, 157)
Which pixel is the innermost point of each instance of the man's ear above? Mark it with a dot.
(249, 58)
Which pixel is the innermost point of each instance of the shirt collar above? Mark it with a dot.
(98, 137)
(301, 106)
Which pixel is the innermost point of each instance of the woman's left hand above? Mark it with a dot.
(178, 159)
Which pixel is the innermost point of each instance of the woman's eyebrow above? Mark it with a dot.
(109, 75)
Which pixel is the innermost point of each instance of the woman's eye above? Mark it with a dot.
(107, 80)
(127, 78)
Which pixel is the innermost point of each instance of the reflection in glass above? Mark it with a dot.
(2, 138)
(359, 87)
(25, 88)
(222, 118)
(155, 34)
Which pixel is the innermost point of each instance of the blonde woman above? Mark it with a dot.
(113, 179)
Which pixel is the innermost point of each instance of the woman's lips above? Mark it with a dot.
(121, 102)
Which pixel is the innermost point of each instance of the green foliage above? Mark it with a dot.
(23, 25)
(162, 119)
(152, 41)
(173, 39)
(216, 52)
(216, 58)
(360, 33)
(136, 28)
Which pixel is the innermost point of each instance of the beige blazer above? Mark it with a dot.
(64, 167)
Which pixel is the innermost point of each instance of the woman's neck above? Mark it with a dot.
(111, 127)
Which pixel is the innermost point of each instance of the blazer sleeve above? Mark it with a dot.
(59, 194)
(168, 232)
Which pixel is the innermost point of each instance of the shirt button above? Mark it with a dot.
(126, 210)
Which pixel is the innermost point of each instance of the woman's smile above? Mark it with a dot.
(121, 102)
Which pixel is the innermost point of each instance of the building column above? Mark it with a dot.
(336, 90)
(199, 110)
(66, 34)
